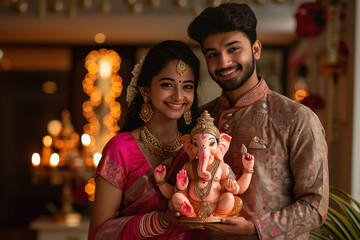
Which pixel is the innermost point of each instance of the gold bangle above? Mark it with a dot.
(180, 191)
(163, 223)
(235, 189)
(162, 182)
(248, 170)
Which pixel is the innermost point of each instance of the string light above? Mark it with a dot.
(103, 85)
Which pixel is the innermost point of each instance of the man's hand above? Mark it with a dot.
(236, 226)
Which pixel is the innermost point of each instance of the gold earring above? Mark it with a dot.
(187, 117)
(146, 112)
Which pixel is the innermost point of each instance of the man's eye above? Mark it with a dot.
(211, 55)
(233, 49)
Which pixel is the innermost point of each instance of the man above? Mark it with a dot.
(288, 195)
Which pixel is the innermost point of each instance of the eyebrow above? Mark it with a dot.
(166, 78)
(212, 138)
(226, 45)
(173, 80)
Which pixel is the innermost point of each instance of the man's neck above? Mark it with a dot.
(234, 95)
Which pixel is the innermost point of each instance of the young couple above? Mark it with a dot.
(288, 195)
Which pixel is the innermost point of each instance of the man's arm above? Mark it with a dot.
(309, 165)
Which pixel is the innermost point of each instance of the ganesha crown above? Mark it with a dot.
(205, 125)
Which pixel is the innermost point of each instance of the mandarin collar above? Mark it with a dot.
(249, 97)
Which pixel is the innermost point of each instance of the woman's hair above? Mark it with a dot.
(226, 17)
(156, 59)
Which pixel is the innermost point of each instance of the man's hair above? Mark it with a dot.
(226, 17)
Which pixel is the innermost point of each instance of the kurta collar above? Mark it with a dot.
(248, 98)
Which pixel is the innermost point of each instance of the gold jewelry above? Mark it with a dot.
(146, 112)
(249, 171)
(132, 89)
(235, 189)
(203, 193)
(161, 151)
(161, 182)
(205, 125)
(181, 67)
(187, 117)
(180, 191)
(163, 223)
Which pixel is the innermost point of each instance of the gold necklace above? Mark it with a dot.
(203, 193)
(160, 150)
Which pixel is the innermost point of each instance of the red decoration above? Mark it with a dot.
(314, 102)
(310, 19)
(79, 195)
(329, 70)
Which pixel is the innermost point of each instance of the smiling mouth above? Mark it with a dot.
(228, 71)
(176, 106)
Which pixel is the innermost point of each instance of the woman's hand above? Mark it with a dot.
(172, 217)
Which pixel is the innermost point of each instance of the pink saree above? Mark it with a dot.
(124, 165)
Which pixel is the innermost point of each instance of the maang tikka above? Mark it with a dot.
(181, 67)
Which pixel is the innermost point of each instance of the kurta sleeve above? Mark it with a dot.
(309, 166)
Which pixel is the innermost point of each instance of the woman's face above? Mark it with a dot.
(172, 94)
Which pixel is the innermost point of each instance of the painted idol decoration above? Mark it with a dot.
(206, 187)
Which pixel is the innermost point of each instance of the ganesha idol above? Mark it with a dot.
(206, 187)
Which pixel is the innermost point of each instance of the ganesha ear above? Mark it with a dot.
(224, 144)
(188, 147)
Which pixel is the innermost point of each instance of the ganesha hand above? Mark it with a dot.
(248, 161)
(231, 186)
(182, 180)
(160, 173)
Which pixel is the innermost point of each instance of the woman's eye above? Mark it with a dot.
(189, 87)
(166, 85)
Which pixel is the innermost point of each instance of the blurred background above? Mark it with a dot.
(65, 66)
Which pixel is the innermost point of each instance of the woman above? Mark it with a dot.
(162, 97)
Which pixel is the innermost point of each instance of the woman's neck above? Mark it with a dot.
(164, 131)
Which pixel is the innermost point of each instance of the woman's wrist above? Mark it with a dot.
(164, 224)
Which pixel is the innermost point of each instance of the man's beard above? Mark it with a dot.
(240, 79)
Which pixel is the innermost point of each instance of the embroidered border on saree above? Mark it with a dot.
(111, 228)
(112, 172)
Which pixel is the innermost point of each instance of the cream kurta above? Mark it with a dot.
(289, 192)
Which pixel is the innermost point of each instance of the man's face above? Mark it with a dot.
(230, 58)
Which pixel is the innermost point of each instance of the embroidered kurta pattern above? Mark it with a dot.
(288, 194)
